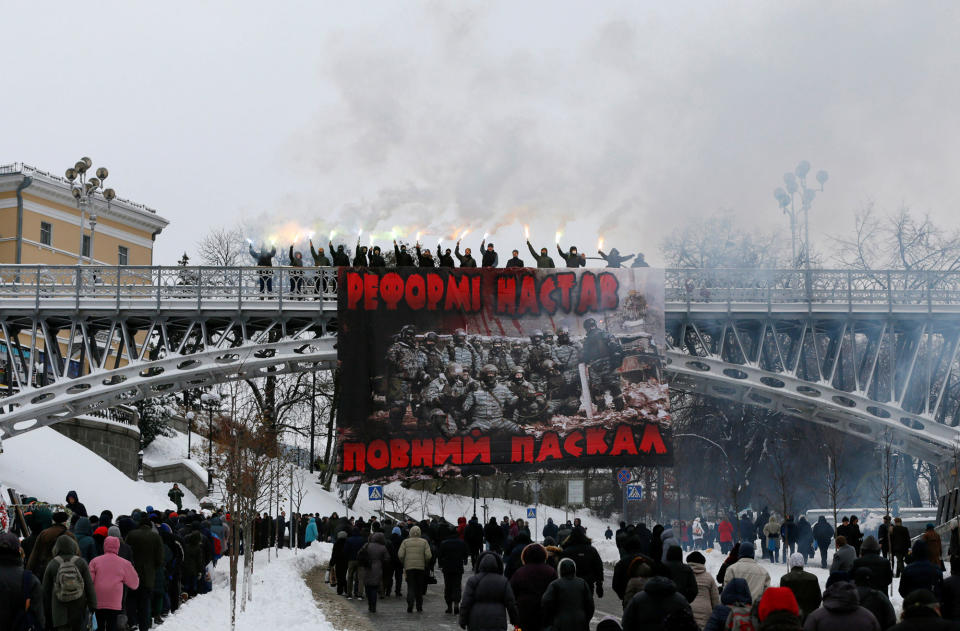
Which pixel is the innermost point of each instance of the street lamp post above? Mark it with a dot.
(797, 190)
(84, 190)
(212, 401)
(190, 416)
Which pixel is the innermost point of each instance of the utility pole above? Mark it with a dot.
(313, 415)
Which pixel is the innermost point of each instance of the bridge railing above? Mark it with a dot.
(213, 286)
(792, 286)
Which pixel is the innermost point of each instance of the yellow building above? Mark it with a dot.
(40, 223)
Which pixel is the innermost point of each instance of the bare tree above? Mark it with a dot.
(835, 485)
(223, 247)
(719, 242)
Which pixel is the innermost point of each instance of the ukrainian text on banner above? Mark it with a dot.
(446, 371)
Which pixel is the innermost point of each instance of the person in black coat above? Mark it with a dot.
(873, 600)
(856, 537)
(515, 261)
(899, 543)
(488, 601)
(681, 574)
(514, 559)
(920, 573)
(75, 505)
(473, 537)
(17, 584)
(494, 535)
(880, 573)
(452, 556)
(804, 538)
(589, 565)
(567, 604)
(338, 559)
(921, 612)
(950, 597)
(823, 535)
(747, 531)
(529, 583)
(648, 609)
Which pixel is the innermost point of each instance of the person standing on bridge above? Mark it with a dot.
(466, 259)
(543, 259)
(340, 257)
(572, 258)
(489, 256)
(296, 274)
(614, 259)
(264, 259)
(402, 257)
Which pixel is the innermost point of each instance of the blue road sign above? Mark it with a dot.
(531, 513)
(624, 476)
(634, 492)
(374, 492)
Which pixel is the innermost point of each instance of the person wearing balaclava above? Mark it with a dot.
(445, 257)
(572, 257)
(402, 256)
(376, 257)
(340, 257)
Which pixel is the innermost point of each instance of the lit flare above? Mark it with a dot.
(600, 243)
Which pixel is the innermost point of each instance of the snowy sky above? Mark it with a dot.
(621, 118)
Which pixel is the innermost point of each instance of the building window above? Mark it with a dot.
(85, 251)
(122, 255)
(46, 233)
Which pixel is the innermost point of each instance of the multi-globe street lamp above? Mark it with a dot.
(796, 189)
(85, 190)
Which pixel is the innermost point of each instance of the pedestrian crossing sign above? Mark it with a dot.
(634, 492)
(531, 513)
(374, 492)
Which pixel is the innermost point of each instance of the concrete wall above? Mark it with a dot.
(116, 443)
(179, 473)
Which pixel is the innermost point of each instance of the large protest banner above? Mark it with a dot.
(458, 371)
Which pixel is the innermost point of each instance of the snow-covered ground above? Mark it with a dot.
(281, 598)
(45, 464)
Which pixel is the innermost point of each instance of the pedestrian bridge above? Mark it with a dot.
(873, 354)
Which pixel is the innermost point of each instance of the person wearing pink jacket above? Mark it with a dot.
(110, 573)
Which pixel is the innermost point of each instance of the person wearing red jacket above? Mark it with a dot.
(725, 535)
(461, 526)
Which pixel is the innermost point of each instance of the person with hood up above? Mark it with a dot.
(452, 557)
(338, 560)
(488, 256)
(424, 257)
(921, 612)
(415, 555)
(771, 540)
(708, 596)
(880, 573)
(355, 541)
(572, 257)
(543, 259)
(734, 597)
(311, 533)
(529, 584)
(264, 258)
(804, 585)
(147, 550)
(360, 255)
(445, 257)
(725, 535)
(69, 614)
(920, 573)
(567, 604)
(466, 259)
(488, 601)
(515, 260)
(748, 569)
(841, 611)
(42, 551)
(402, 256)
(84, 535)
(17, 586)
(110, 573)
(640, 261)
(668, 540)
(377, 558)
(589, 564)
(804, 538)
(823, 535)
(75, 505)
(340, 256)
(639, 571)
(746, 529)
(873, 600)
(614, 259)
(648, 609)
(681, 574)
(778, 611)
(843, 557)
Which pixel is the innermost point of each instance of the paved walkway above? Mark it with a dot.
(392, 613)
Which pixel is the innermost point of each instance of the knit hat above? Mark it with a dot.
(870, 544)
(746, 550)
(9, 542)
(114, 531)
(696, 557)
(796, 560)
(103, 531)
(396, 531)
(777, 599)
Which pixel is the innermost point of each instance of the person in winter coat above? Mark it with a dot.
(771, 540)
(934, 546)
(732, 557)
(748, 569)
(735, 594)
(543, 258)
(899, 543)
(193, 565)
(494, 536)
(73, 614)
(42, 551)
(614, 258)
(17, 585)
(725, 535)
(873, 600)
(572, 257)
(920, 573)
(804, 538)
(338, 559)
(110, 574)
(589, 565)
(550, 529)
(880, 572)
(747, 530)
(567, 604)
(841, 611)
(84, 535)
(788, 533)
(648, 609)
(466, 259)
(640, 571)
(75, 505)
(488, 601)
(681, 574)
(804, 585)
(355, 541)
(311, 534)
(708, 596)
(513, 561)
(656, 542)
(823, 535)
(377, 558)
(921, 612)
(844, 556)
(854, 536)
(452, 554)
(668, 539)
(529, 584)
(950, 592)
(778, 611)
(473, 537)
(515, 260)
(415, 555)
(147, 548)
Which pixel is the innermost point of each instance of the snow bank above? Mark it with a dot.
(281, 598)
(44, 463)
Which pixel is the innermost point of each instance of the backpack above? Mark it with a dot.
(217, 546)
(363, 557)
(740, 619)
(68, 584)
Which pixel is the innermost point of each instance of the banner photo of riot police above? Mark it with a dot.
(460, 371)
